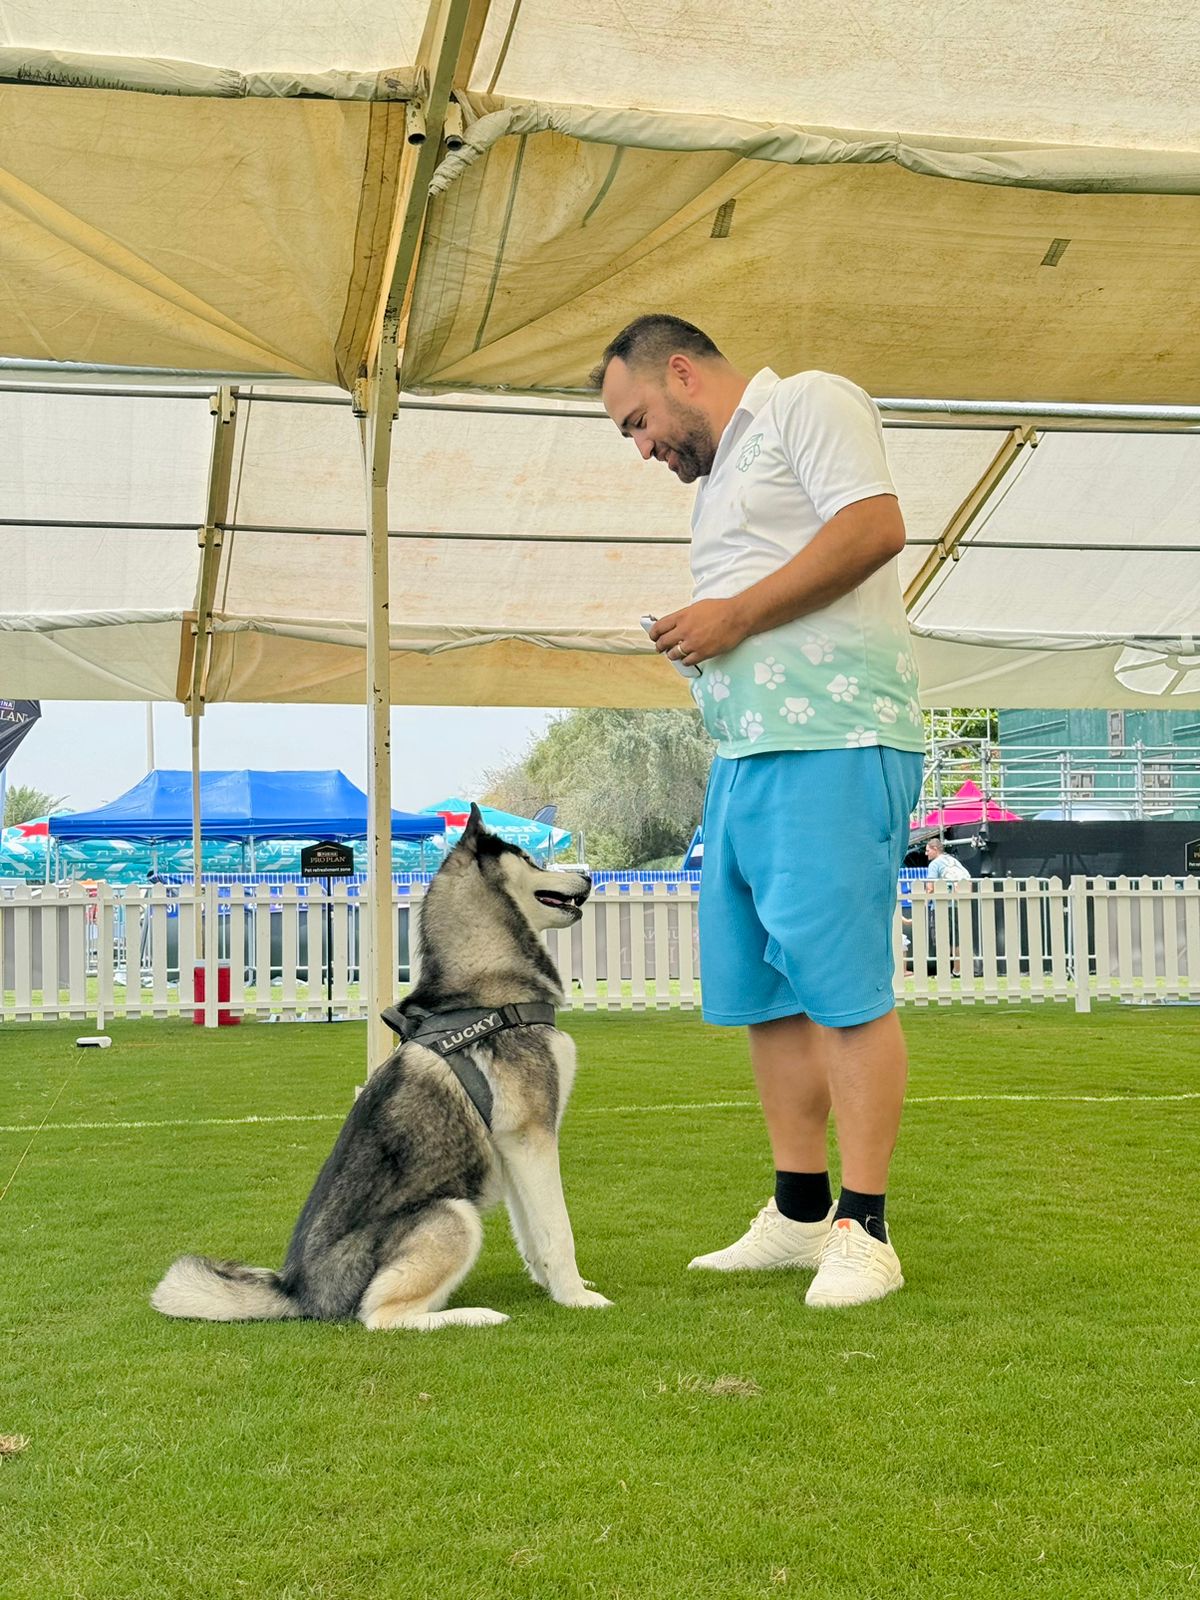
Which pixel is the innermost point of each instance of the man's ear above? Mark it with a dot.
(683, 370)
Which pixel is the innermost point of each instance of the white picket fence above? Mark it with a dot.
(82, 951)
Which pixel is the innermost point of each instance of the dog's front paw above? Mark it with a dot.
(583, 1298)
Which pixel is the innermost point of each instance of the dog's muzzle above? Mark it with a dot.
(562, 902)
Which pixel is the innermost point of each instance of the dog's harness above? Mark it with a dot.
(448, 1032)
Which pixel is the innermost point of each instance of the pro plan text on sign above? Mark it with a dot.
(327, 859)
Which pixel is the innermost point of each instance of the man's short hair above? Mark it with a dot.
(934, 844)
(651, 341)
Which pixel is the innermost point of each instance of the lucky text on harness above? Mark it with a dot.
(449, 1032)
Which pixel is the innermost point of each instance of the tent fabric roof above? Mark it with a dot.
(940, 202)
(918, 265)
(232, 233)
(243, 804)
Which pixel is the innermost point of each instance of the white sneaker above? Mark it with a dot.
(772, 1240)
(854, 1268)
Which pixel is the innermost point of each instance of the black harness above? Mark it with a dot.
(448, 1032)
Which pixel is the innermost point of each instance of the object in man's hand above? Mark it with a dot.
(683, 670)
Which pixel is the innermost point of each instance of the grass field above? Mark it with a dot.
(1022, 1419)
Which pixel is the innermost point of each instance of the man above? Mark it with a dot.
(949, 868)
(943, 865)
(809, 688)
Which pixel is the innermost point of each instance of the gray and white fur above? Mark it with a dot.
(392, 1225)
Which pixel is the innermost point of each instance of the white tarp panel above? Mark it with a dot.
(1133, 502)
(94, 612)
(1025, 611)
(525, 548)
(1076, 72)
(303, 35)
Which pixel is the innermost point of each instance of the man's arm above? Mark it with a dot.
(860, 539)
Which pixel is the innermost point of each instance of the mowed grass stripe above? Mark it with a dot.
(607, 1111)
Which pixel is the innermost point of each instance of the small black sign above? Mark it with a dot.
(17, 718)
(1191, 857)
(327, 860)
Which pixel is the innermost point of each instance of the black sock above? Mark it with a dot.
(803, 1196)
(865, 1209)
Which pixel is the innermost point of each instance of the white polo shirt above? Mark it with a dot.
(796, 452)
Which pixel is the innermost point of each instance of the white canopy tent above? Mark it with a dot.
(526, 542)
(479, 196)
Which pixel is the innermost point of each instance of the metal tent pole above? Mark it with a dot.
(449, 41)
(194, 674)
(375, 428)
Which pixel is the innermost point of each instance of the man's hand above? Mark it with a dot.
(700, 631)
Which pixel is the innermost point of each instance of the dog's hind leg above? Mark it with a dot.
(431, 1259)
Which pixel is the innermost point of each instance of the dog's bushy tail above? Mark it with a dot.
(222, 1291)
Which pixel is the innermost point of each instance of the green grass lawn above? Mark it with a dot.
(1020, 1420)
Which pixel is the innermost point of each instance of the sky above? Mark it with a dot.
(90, 752)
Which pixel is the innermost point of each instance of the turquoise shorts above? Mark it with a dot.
(802, 853)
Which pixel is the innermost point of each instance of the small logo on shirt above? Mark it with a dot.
(750, 452)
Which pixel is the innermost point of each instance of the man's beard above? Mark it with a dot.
(696, 448)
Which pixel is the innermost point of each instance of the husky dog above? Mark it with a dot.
(392, 1225)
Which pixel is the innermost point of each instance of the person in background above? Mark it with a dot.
(950, 870)
(943, 865)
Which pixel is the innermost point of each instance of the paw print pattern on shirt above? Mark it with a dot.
(718, 685)
(859, 737)
(768, 672)
(817, 649)
(843, 688)
(886, 709)
(752, 726)
(796, 711)
(905, 665)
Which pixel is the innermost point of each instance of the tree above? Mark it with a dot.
(22, 802)
(976, 723)
(631, 781)
(953, 747)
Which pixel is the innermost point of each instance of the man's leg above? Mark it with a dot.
(868, 1070)
(788, 1057)
(800, 1068)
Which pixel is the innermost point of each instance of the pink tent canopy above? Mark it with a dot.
(967, 806)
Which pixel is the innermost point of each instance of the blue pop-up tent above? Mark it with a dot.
(239, 805)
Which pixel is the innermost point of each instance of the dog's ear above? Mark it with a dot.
(470, 834)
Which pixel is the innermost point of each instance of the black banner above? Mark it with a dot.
(1132, 849)
(327, 860)
(16, 719)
